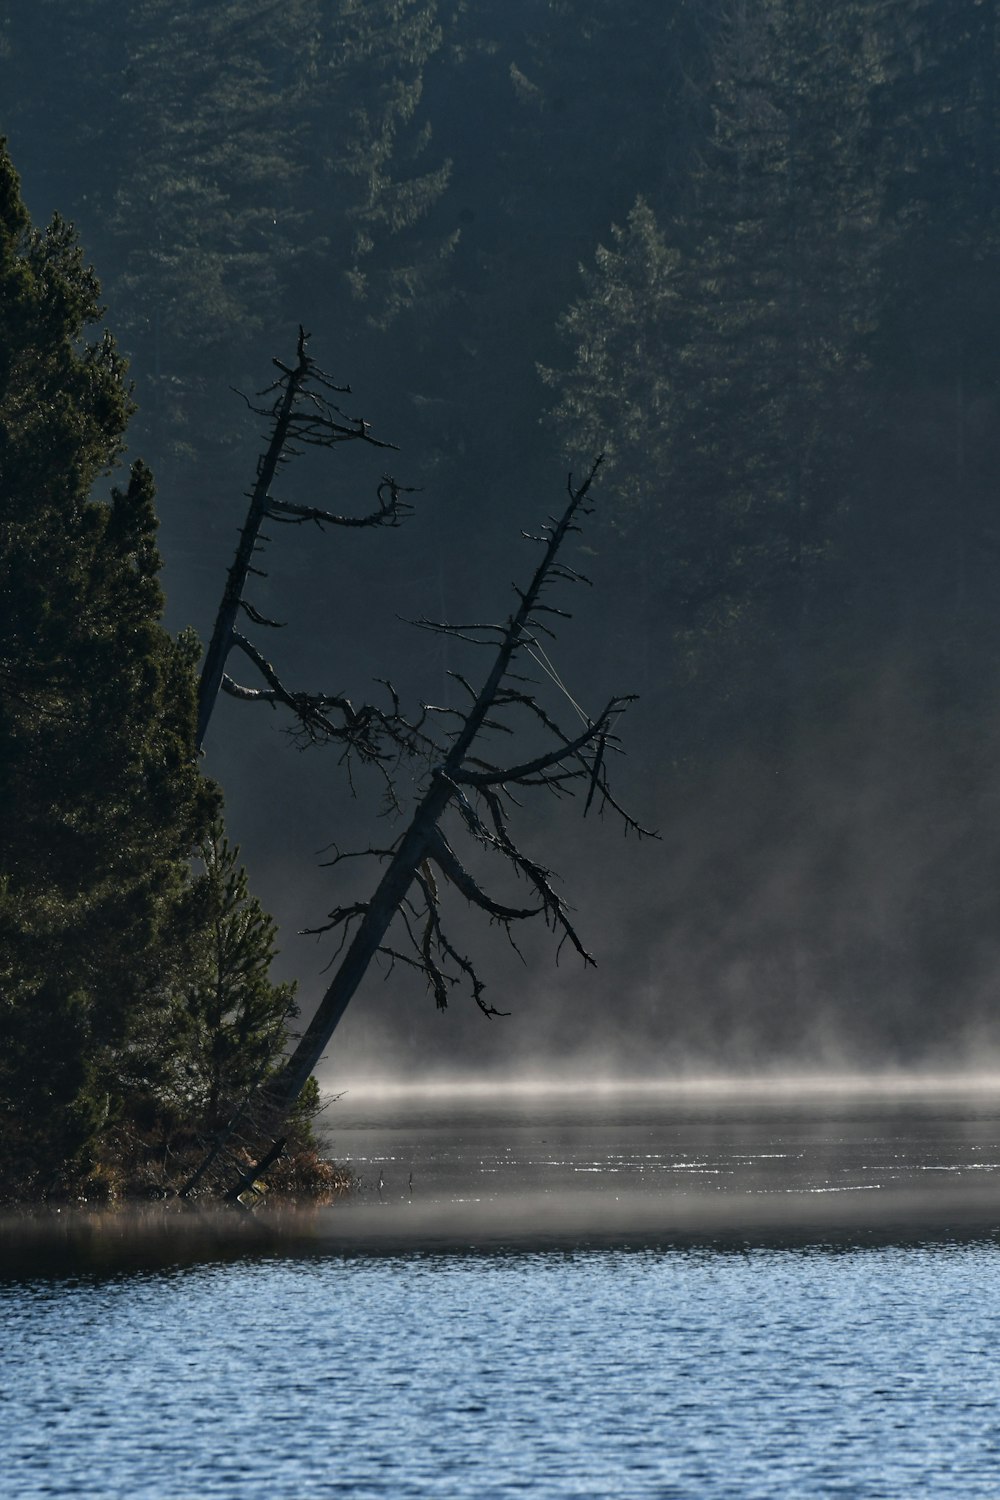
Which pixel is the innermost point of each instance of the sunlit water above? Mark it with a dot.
(523, 1339)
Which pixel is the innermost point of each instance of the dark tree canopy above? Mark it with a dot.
(102, 933)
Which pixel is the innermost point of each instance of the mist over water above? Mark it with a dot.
(513, 1165)
(777, 1160)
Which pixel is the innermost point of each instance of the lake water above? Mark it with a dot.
(622, 1296)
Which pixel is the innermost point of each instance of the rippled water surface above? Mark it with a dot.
(653, 1363)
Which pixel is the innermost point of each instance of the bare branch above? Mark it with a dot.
(539, 877)
(339, 917)
(340, 856)
(595, 773)
(259, 619)
(541, 762)
(447, 861)
(248, 695)
(390, 511)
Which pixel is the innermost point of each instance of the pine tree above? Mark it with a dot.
(234, 1019)
(376, 161)
(246, 151)
(723, 350)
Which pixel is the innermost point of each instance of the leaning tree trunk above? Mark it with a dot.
(224, 633)
(301, 415)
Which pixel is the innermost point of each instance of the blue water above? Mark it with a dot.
(690, 1373)
(635, 1297)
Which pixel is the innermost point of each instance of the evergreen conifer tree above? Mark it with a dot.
(102, 799)
(723, 350)
(233, 1031)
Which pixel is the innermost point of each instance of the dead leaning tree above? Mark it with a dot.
(302, 415)
(465, 790)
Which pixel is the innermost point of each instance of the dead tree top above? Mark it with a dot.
(300, 409)
(464, 778)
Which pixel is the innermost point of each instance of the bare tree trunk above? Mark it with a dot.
(224, 632)
(302, 415)
(288, 1084)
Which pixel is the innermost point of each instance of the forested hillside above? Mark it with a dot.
(746, 248)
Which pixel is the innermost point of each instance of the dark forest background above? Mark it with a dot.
(745, 248)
